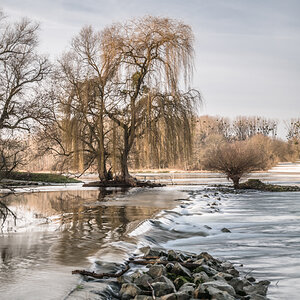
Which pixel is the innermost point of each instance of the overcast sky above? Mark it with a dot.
(247, 51)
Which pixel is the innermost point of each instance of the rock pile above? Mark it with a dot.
(171, 275)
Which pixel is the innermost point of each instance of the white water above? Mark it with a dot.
(265, 230)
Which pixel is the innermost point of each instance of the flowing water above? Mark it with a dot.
(59, 231)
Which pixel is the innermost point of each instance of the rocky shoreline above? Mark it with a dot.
(174, 275)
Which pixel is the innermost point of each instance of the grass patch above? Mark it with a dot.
(256, 184)
(41, 177)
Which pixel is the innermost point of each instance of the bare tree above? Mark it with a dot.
(235, 159)
(293, 129)
(20, 69)
(293, 134)
(245, 127)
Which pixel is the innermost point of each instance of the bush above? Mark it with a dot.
(235, 159)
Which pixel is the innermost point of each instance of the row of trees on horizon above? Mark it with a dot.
(119, 98)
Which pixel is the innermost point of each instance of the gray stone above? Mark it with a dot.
(257, 288)
(169, 267)
(217, 277)
(224, 276)
(178, 269)
(226, 265)
(142, 297)
(264, 282)
(156, 271)
(217, 294)
(163, 259)
(172, 255)
(165, 280)
(251, 279)
(200, 277)
(169, 297)
(208, 270)
(238, 285)
(220, 285)
(188, 288)
(180, 281)
(162, 288)
(125, 279)
(233, 272)
(201, 293)
(143, 280)
(199, 261)
(176, 296)
(152, 251)
(129, 291)
(257, 297)
(225, 229)
(206, 256)
(136, 275)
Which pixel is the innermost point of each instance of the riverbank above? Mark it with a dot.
(14, 179)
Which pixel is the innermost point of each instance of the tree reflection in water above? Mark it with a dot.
(67, 227)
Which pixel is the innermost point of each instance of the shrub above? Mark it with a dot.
(235, 159)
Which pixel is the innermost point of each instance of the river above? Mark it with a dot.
(66, 228)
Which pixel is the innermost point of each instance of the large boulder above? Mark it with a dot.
(162, 288)
(157, 271)
(259, 288)
(217, 294)
(220, 285)
(165, 280)
(188, 288)
(143, 281)
(178, 269)
(129, 291)
(200, 277)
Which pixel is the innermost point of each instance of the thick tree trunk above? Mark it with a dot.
(236, 181)
(102, 172)
(124, 166)
(124, 158)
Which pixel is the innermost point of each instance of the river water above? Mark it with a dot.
(62, 229)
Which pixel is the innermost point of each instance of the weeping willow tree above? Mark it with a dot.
(165, 137)
(156, 58)
(124, 83)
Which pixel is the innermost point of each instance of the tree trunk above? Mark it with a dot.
(124, 166)
(236, 181)
(124, 158)
(102, 173)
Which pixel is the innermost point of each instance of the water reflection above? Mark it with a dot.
(74, 224)
(65, 229)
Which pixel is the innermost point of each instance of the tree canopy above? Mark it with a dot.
(119, 83)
